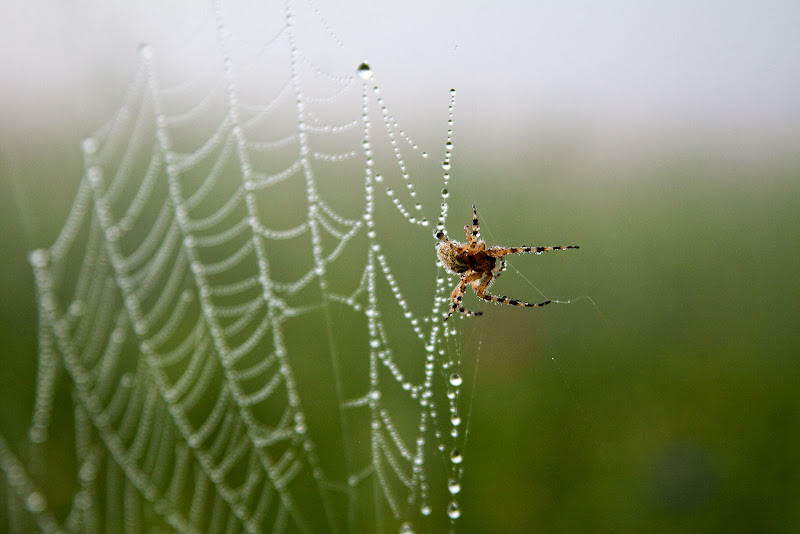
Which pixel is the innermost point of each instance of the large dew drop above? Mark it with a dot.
(364, 72)
(89, 145)
(39, 258)
(453, 511)
(36, 502)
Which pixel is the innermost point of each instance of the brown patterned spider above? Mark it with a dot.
(478, 265)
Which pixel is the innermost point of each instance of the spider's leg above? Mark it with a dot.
(469, 313)
(458, 295)
(455, 297)
(499, 268)
(455, 245)
(472, 233)
(481, 288)
(475, 227)
(498, 252)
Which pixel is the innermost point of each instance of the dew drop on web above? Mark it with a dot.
(39, 258)
(453, 486)
(36, 502)
(364, 72)
(453, 511)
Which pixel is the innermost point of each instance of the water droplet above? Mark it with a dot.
(453, 511)
(89, 145)
(76, 308)
(299, 423)
(126, 381)
(455, 379)
(364, 72)
(87, 472)
(456, 457)
(446, 165)
(445, 193)
(36, 502)
(455, 420)
(37, 435)
(405, 528)
(112, 233)
(425, 510)
(374, 343)
(453, 92)
(448, 146)
(453, 486)
(95, 175)
(146, 50)
(39, 258)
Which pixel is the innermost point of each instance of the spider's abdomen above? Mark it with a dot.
(452, 260)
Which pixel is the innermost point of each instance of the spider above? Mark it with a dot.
(477, 264)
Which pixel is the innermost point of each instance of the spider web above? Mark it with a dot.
(244, 301)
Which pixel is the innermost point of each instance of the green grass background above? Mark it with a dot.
(666, 401)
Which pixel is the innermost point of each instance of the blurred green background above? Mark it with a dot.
(668, 402)
(665, 397)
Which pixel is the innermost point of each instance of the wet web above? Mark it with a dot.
(245, 308)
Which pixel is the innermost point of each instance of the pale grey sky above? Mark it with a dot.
(616, 68)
